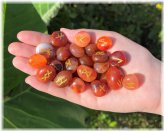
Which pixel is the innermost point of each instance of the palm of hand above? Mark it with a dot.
(122, 100)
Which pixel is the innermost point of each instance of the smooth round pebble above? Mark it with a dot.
(101, 67)
(37, 61)
(57, 65)
(82, 39)
(86, 60)
(78, 85)
(86, 73)
(130, 81)
(63, 79)
(71, 64)
(46, 74)
(100, 56)
(63, 53)
(90, 49)
(58, 38)
(99, 88)
(45, 49)
(76, 50)
(114, 77)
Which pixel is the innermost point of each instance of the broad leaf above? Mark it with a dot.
(47, 10)
(39, 110)
(3, 12)
(17, 17)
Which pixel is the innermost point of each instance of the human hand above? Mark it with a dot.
(144, 99)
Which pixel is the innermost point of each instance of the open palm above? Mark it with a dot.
(140, 61)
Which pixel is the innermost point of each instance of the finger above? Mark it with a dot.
(21, 49)
(21, 63)
(86, 98)
(33, 37)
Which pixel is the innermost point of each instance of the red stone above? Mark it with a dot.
(63, 53)
(63, 79)
(117, 58)
(71, 64)
(57, 65)
(46, 74)
(86, 60)
(114, 77)
(99, 88)
(90, 49)
(101, 67)
(86, 73)
(130, 81)
(100, 56)
(58, 38)
(78, 85)
(104, 43)
(76, 50)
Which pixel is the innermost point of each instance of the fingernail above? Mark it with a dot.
(64, 29)
(26, 80)
(19, 35)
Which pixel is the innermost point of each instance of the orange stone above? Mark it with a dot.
(78, 85)
(37, 61)
(104, 43)
(58, 38)
(86, 73)
(63, 79)
(131, 81)
(82, 39)
(114, 77)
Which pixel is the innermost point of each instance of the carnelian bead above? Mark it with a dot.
(63, 79)
(37, 61)
(101, 67)
(86, 60)
(104, 43)
(100, 56)
(82, 38)
(117, 58)
(90, 49)
(71, 64)
(46, 74)
(63, 53)
(130, 81)
(58, 38)
(57, 65)
(86, 73)
(99, 88)
(114, 77)
(78, 85)
(76, 50)
(45, 49)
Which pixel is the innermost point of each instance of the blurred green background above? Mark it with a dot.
(25, 107)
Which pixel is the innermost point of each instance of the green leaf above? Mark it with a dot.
(39, 110)
(17, 17)
(47, 10)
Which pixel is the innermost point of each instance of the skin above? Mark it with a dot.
(147, 98)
